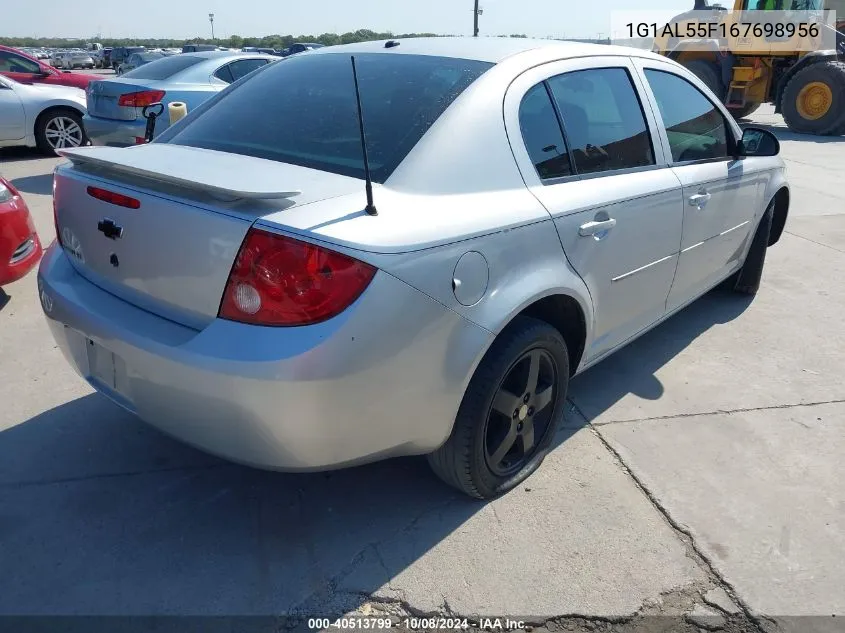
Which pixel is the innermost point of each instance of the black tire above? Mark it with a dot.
(832, 74)
(746, 280)
(464, 461)
(746, 110)
(709, 73)
(43, 121)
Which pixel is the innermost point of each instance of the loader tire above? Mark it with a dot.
(744, 111)
(709, 74)
(813, 100)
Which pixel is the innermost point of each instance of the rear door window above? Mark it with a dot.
(224, 73)
(164, 68)
(243, 67)
(542, 134)
(303, 110)
(603, 120)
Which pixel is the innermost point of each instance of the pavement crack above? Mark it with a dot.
(132, 473)
(655, 418)
(330, 586)
(684, 534)
(496, 515)
(833, 248)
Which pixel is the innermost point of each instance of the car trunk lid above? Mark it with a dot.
(160, 225)
(104, 99)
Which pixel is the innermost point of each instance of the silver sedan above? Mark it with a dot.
(40, 115)
(249, 283)
(115, 105)
(77, 60)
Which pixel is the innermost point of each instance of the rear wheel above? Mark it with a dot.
(813, 101)
(709, 73)
(58, 129)
(510, 412)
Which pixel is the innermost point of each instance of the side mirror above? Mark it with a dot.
(758, 142)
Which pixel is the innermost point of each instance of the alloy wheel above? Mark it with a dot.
(62, 131)
(521, 412)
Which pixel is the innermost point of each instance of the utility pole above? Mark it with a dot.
(475, 15)
(211, 20)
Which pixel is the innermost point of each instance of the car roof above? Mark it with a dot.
(213, 54)
(485, 49)
(12, 49)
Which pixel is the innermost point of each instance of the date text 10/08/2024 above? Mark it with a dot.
(720, 29)
(415, 624)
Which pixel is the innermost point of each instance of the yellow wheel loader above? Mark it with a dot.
(745, 67)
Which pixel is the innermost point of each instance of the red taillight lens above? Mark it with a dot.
(140, 99)
(278, 280)
(114, 198)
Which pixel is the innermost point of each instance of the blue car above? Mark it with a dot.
(115, 105)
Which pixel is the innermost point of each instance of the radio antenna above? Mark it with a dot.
(370, 208)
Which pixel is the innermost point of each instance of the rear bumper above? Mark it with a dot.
(111, 132)
(383, 379)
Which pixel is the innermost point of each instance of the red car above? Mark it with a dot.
(20, 248)
(28, 70)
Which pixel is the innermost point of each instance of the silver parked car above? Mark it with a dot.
(536, 206)
(45, 116)
(136, 60)
(115, 105)
(77, 59)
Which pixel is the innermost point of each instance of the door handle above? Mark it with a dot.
(699, 199)
(591, 228)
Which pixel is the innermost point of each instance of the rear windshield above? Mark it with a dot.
(302, 110)
(164, 68)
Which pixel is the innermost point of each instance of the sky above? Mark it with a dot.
(189, 18)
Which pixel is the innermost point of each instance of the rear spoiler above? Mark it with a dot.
(228, 176)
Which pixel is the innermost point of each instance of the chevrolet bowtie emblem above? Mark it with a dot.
(111, 230)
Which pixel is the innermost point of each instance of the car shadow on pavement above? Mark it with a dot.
(20, 154)
(101, 514)
(41, 184)
(633, 369)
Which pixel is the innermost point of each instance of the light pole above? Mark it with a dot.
(211, 20)
(475, 15)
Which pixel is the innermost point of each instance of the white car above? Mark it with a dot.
(42, 116)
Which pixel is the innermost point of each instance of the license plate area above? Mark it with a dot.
(106, 368)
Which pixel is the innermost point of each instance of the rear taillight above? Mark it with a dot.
(140, 99)
(114, 198)
(278, 280)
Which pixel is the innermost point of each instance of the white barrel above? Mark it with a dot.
(177, 110)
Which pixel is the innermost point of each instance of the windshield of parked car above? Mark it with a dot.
(80, 55)
(303, 111)
(164, 67)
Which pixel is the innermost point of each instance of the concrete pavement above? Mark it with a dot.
(698, 482)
